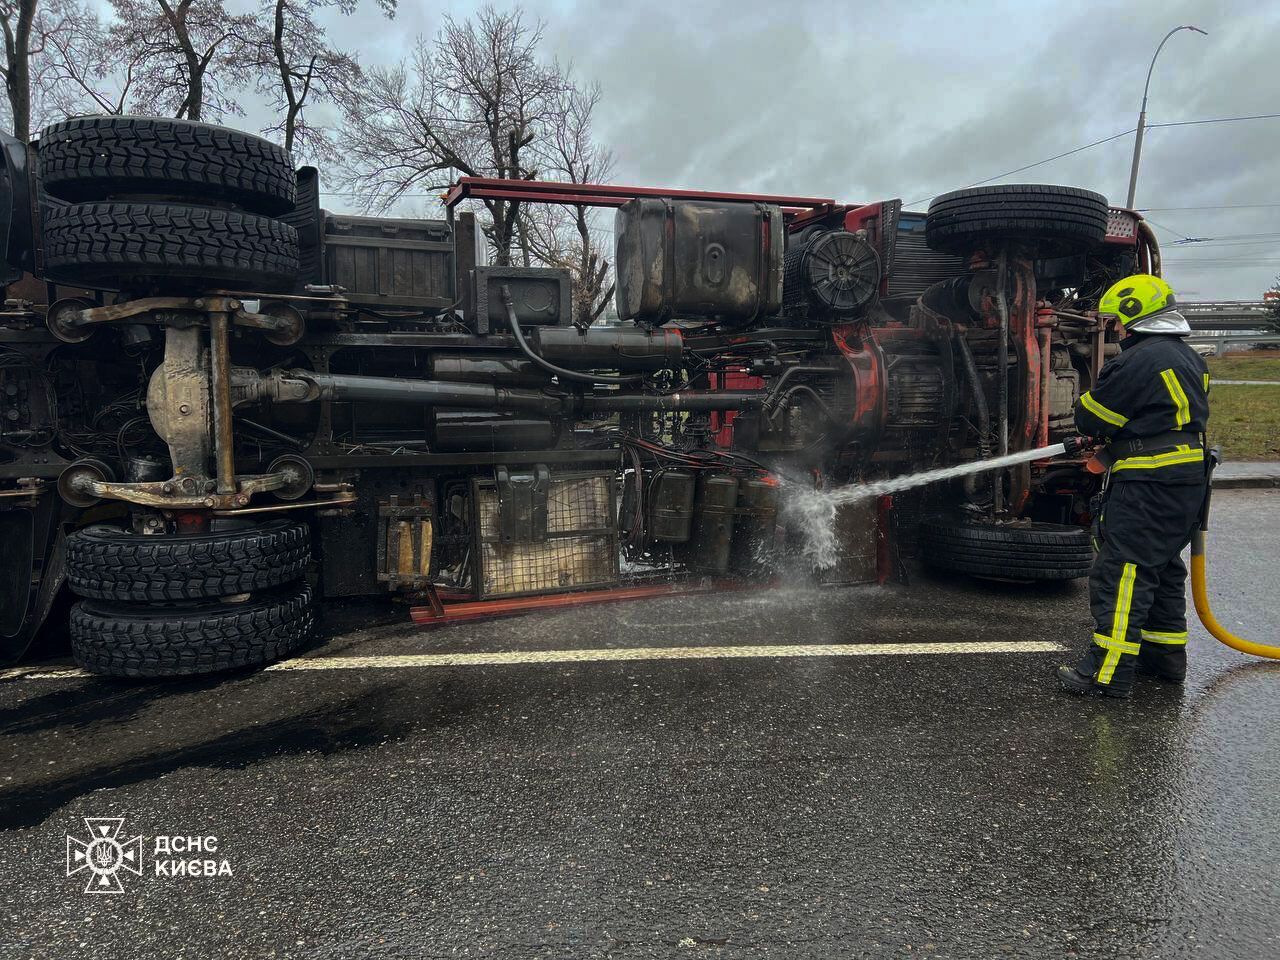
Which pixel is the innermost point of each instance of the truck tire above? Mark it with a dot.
(106, 562)
(137, 640)
(1028, 551)
(98, 158)
(114, 243)
(1053, 221)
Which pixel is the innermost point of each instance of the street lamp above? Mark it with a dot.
(1142, 114)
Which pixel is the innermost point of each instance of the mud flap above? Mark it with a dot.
(32, 570)
(17, 563)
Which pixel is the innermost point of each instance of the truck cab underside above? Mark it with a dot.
(219, 402)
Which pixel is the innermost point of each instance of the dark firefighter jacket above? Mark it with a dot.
(1155, 386)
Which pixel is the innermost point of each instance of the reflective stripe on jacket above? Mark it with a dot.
(1155, 385)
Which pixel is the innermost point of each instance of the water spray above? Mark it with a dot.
(814, 511)
(878, 488)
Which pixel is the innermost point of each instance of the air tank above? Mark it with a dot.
(612, 348)
(466, 432)
(671, 507)
(754, 545)
(714, 508)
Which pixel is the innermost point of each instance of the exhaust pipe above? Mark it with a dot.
(306, 386)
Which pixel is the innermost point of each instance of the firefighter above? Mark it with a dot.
(1151, 404)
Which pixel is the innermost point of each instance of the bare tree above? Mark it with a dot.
(568, 237)
(22, 41)
(187, 54)
(297, 67)
(472, 102)
(80, 69)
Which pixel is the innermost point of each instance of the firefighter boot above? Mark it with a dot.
(1169, 663)
(1083, 677)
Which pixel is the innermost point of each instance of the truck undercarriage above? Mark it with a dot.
(219, 402)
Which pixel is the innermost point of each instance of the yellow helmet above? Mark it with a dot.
(1144, 304)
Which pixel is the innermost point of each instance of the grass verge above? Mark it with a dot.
(1245, 421)
(1253, 365)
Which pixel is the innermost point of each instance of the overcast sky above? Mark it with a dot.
(873, 100)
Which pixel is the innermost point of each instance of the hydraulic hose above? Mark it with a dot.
(980, 408)
(562, 372)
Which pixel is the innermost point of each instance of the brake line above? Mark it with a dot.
(563, 372)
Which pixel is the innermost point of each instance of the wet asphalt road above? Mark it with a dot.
(939, 805)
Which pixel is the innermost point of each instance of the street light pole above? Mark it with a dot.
(1142, 114)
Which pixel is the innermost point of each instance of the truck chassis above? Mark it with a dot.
(219, 402)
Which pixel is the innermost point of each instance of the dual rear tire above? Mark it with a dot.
(170, 203)
(163, 204)
(96, 158)
(178, 640)
(173, 605)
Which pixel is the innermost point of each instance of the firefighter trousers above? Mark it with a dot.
(1137, 587)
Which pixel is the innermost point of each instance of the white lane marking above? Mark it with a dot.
(506, 658)
(599, 655)
(36, 673)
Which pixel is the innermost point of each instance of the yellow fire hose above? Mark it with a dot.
(1199, 588)
(1200, 594)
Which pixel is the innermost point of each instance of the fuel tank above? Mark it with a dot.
(696, 258)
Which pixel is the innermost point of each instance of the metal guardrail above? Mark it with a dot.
(1233, 326)
(1224, 340)
(1225, 304)
(1229, 314)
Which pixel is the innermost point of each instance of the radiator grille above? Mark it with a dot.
(579, 552)
(915, 266)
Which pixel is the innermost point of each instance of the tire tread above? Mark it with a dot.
(1035, 551)
(1057, 220)
(124, 641)
(104, 565)
(106, 241)
(91, 158)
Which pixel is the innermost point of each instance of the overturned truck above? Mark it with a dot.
(220, 403)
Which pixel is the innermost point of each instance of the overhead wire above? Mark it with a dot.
(1212, 244)
(1161, 226)
(1192, 123)
(1096, 143)
(1221, 206)
(1269, 235)
(1038, 163)
(1225, 262)
(1115, 136)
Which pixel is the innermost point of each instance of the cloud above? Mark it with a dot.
(868, 100)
